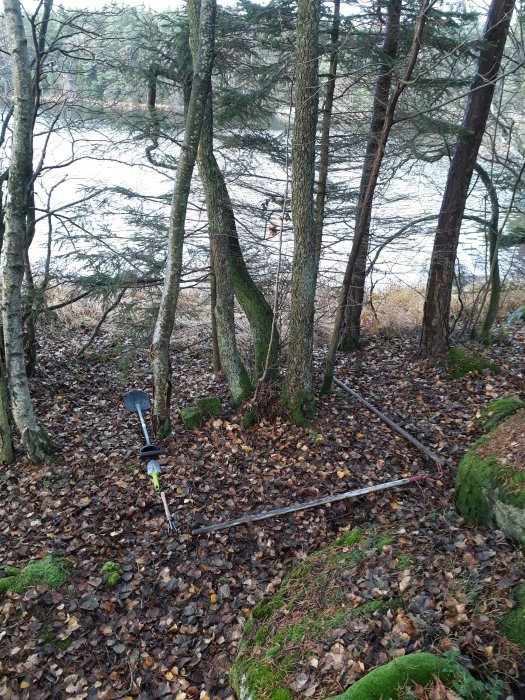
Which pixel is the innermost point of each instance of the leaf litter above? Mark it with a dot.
(171, 625)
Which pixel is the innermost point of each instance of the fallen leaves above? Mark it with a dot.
(171, 627)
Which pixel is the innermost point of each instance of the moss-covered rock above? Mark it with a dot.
(488, 492)
(196, 416)
(192, 417)
(461, 361)
(50, 571)
(513, 624)
(210, 406)
(497, 411)
(388, 681)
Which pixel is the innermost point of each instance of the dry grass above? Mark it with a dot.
(395, 310)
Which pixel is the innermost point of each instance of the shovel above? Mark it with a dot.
(136, 400)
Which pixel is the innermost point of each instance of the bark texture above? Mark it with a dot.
(494, 281)
(354, 302)
(160, 349)
(435, 329)
(219, 230)
(362, 223)
(34, 438)
(298, 390)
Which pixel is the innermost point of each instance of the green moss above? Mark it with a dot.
(49, 637)
(50, 571)
(63, 644)
(192, 417)
(210, 406)
(267, 606)
(375, 606)
(302, 410)
(476, 475)
(386, 682)
(291, 635)
(248, 626)
(513, 624)
(497, 411)
(195, 416)
(471, 498)
(348, 539)
(278, 637)
(404, 561)
(251, 417)
(383, 542)
(261, 678)
(46, 636)
(11, 571)
(262, 635)
(460, 362)
(111, 572)
(299, 572)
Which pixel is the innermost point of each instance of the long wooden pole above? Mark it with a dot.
(254, 517)
(435, 457)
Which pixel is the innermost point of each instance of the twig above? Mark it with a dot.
(101, 321)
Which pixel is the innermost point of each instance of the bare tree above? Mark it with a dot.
(435, 329)
(160, 348)
(299, 375)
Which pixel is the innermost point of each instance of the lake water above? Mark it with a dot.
(109, 159)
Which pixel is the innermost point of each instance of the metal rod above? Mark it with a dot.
(308, 504)
(165, 504)
(142, 423)
(437, 458)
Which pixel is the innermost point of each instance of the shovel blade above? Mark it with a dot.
(136, 399)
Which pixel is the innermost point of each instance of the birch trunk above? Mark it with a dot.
(34, 438)
(435, 329)
(298, 392)
(160, 348)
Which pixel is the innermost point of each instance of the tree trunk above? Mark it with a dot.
(494, 281)
(216, 360)
(299, 390)
(435, 330)
(354, 302)
(170, 293)
(324, 155)
(33, 435)
(218, 224)
(362, 223)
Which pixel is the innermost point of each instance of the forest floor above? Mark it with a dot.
(171, 625)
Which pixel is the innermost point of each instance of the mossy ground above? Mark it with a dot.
(497, 411)
(310, 603)
(461, 361)
(50, 571)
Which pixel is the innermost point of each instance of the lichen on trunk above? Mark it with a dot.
(34, 437)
